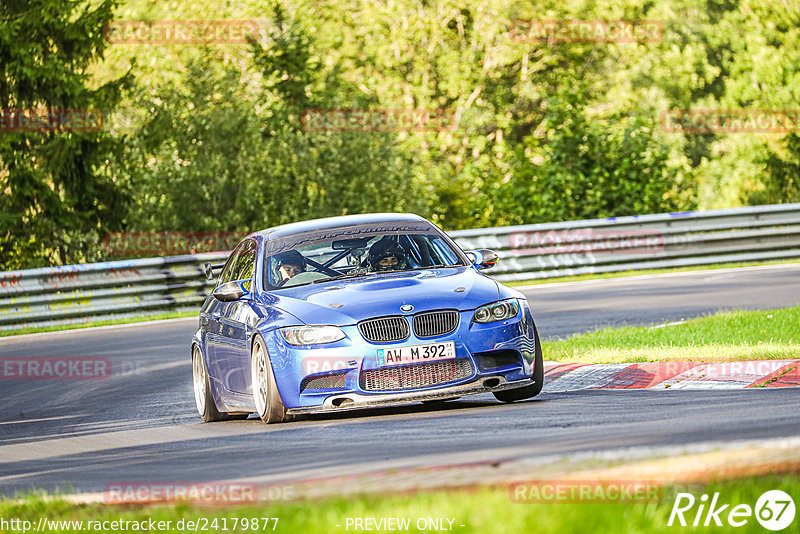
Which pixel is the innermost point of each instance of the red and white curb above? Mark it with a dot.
(673, 375)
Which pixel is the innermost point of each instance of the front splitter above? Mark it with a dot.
(357, 401)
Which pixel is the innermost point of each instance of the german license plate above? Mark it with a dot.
(417, 353)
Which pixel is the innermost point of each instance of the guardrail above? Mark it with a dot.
(640, 242)
(135, 288)
(97, 291)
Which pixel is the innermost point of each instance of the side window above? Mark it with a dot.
(227, 271)
(245, 262)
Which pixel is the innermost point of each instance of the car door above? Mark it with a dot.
(236, 325)
(216, 310)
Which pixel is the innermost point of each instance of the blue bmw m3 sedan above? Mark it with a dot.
(358, 311)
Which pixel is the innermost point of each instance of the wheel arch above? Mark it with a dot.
(212, 382)
(279, 382)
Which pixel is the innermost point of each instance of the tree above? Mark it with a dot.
(577, 167)
(782, 180)
(55, 198)
(229, 142)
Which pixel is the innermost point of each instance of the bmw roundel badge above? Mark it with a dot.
(406, 307)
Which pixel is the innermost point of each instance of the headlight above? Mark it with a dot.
(498, 311)
(311, 335)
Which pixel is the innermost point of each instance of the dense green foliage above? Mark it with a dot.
(55, 195)
(210, 136)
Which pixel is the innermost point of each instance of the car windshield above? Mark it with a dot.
(356, 251)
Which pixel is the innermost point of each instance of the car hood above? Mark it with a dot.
(348, 301)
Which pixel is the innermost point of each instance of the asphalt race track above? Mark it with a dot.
(565, 309)
(140, 424)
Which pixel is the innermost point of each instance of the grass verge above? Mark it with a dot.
(106, 322)
(643, 272)
(483, 510)
(740, 335)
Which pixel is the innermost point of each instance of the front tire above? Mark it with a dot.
(269, 405)
(527, 392)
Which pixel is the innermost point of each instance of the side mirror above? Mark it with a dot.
(483, 258)
(229, 291)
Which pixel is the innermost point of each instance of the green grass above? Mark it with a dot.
(480, 511)
(642, 272)
(122, 320)
(741, 335)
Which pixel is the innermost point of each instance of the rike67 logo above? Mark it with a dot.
(774, 510)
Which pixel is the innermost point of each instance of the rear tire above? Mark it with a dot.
(203, 398)
(527, 392)
(269, 405)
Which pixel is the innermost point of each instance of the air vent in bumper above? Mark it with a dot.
(331, 381)
(415, 376)
(498, 358)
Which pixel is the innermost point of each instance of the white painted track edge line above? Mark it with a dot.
(709, 272)
(96, 328)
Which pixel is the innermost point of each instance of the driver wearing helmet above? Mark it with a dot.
(290, 264)
(386, 255)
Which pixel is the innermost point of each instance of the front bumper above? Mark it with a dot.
(352, 357)
(356, 401)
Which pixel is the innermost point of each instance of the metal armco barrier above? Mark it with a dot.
(98, 291)
(135, 288)
(639, 242)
